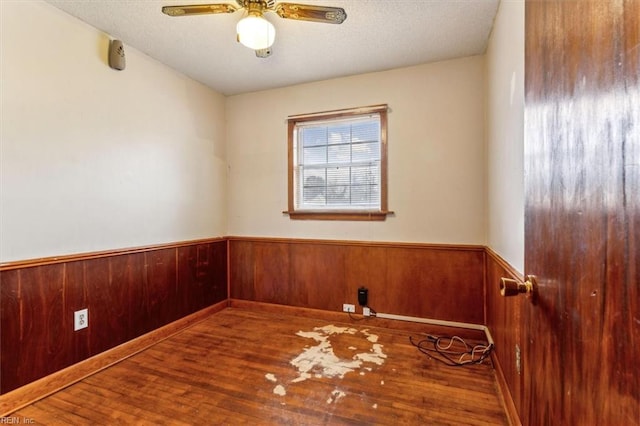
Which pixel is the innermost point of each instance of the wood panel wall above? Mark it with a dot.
(429, 281)
(128, 293)
(504, 320)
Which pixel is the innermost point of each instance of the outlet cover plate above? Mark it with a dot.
(80, 319)
(347, 307)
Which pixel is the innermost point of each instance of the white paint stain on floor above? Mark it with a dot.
(373, 338)
(375, 355)
(280, 390)
(320, 361)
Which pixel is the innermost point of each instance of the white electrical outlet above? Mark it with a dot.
(347, 307)
(80, 319)
(366, 312)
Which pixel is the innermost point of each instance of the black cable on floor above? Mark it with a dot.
(452, 351)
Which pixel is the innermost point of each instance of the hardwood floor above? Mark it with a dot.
(241, 366)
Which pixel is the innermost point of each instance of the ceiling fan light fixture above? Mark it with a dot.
(255, 32)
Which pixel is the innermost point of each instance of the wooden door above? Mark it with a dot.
(582, 229)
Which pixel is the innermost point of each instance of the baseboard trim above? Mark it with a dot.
(28, 394)
(412, 324)
(505, 394)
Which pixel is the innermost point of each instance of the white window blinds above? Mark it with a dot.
(337, 163)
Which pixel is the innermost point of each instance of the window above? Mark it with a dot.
(338, 165)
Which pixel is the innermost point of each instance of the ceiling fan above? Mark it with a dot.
(254, 31)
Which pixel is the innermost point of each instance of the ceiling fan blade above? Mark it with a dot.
(199, 9)
(308, 12)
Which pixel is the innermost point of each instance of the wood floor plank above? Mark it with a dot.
(237, 367)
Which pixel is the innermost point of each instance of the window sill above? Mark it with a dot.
(359, 215)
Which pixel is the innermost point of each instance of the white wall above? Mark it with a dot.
(436, 154)
(96, 159)
(505, 133)
(92, 158)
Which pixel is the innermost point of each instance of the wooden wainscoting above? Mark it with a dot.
(504, 320)
(444, 282)
(128, 293)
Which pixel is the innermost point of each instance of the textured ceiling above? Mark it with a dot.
(377, 35)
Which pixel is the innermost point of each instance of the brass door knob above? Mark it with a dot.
(509, 287)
